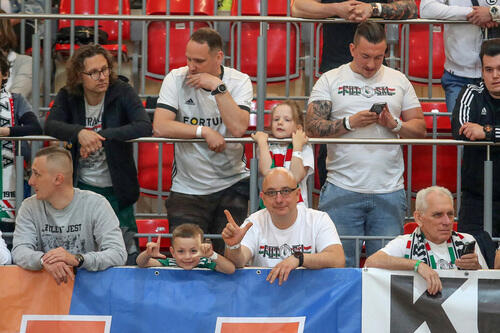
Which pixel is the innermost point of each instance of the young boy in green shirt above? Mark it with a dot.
(187, 250)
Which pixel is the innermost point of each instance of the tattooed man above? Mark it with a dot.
(364, 192)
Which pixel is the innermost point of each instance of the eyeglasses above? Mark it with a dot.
(96, 75)
(284, 192)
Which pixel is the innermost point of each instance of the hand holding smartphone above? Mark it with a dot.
(469, 248)
(378, 107)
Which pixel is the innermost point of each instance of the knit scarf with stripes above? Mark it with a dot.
(418, 248)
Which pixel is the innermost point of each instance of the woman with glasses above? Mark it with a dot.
(96, 113)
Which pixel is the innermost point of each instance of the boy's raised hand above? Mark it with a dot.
(232, 233)
(206, 249)
(153, 249)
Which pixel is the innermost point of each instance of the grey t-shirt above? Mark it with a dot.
(94, 169)
(88, 225)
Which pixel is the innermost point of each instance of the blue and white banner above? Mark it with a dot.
(173, 300)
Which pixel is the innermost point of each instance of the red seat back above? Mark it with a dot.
(419, 51)
(252, 7)
(153, 226)
(443, 122)
(446, 167)
(179, 36)
(105, 7)
(276, 49)
(179, 33)
(148, 166)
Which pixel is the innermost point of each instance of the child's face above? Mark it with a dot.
(186, 252)
(283, 124)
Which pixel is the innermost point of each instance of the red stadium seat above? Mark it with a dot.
(268, 106)
(179, 7)
(153, 226)
(148, 168)
(105, 7)
(252, 7)
(179, 34)
(65, 49)
(411, 226)
(443, 122)
(419, 51)
(276, 42)
(446, 156)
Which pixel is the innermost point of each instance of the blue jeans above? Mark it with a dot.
(358, 214)
(452, 84)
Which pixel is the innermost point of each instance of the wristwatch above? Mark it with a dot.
(488, 132)
(376, 9)
(495, 12)
(299, 255)
(399, 124)
(80, 259)
(221, 88)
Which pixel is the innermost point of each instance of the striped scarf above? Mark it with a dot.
(418, 248)
(8, 175)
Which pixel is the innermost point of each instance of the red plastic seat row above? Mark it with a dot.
(105, 7)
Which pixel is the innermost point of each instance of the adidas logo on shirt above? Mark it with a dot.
(190, 102)
(483, 112)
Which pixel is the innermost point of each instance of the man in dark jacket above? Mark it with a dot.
(96, 113)
(476, 117)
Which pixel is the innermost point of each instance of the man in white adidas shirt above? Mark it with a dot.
(284, 235)
(433, 244)
(364, 192)
(205, 100)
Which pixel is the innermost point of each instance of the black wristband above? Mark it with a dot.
(343, 123)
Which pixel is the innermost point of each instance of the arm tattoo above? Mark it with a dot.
(317, 123)
(399, 10)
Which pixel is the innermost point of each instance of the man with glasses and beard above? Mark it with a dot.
(284, 235)
(96, 113)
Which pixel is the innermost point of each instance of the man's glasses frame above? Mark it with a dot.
(96, 75)
(285, 192)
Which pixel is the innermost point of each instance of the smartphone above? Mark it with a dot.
(378, 107)
(469, 248)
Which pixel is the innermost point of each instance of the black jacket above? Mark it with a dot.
(123, 118)
(475, 105)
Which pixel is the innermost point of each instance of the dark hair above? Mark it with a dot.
(490, 47)
(373, 32)
(209, 36)
(187, 230)
(76, 66)
(8, 38)
(297, 114)
(4, 68)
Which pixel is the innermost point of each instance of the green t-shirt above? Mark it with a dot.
(204, 263)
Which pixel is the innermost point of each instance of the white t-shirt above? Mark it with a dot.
(94, 169)
(307, 161)
(312, 232)
(197, 170)
(397, 247)
(365, 168)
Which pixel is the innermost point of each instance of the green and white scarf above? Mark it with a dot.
(418, 248)
(8, 178)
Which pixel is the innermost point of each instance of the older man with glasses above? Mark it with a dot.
(284, 235)
(96, 113)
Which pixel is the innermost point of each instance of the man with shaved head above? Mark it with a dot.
(284, 235)
(60, 227)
